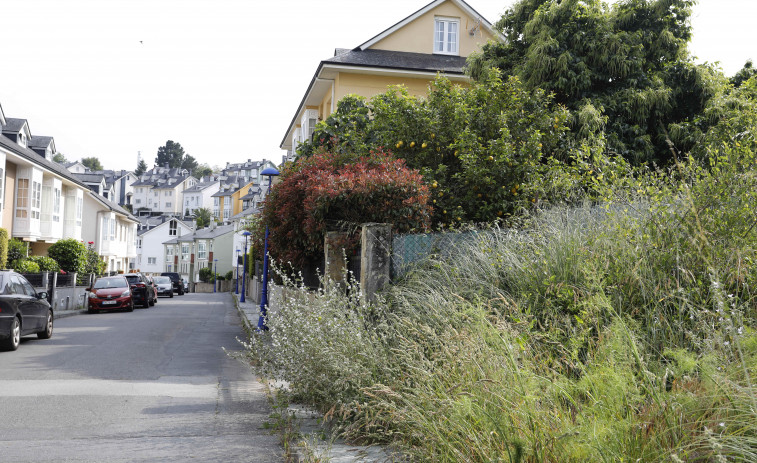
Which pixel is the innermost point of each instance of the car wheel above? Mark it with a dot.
(171, 294)
(181, 292)
(14, 338)
(48, 331)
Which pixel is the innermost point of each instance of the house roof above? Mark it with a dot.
(114, 207)
(202, 234)
(222, 193)
(389, 59)
(163, 220)
(14, 125)
(89, 177)
(252, 194)
(40, 141)
(247, 212)
(201, 186)
(35, 158)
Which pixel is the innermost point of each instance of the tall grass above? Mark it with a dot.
(597, 333)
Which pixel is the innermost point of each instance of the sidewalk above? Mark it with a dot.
(310, 430)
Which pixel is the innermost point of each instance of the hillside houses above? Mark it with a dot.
(160, 191)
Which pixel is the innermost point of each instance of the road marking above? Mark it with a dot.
(100, 387)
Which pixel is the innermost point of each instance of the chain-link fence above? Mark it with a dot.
(408, 250)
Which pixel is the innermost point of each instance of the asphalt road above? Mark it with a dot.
(151, 385)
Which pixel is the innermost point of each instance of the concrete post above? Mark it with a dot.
(375, 257)
(334, 254)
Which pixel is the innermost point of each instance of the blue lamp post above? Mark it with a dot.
(244, 264)
(236, 280)
(215, 283)
(269, 172)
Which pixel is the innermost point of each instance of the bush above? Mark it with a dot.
(3, 248)
(26, 266)
(206, 274)
(46, 264)
(70, 254)
(17, 251)
(229, 275)
(336, 190)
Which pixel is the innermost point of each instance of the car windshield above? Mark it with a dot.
(132, 278)
(163, 280)
(110, 283)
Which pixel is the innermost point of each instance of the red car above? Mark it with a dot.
(110, 293)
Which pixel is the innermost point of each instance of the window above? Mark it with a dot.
(112, 229)
(151, 260)
(172, 228)
(168, 193)
(105, 229)
(36, 199)
(137, 201)
(139, 243)
(185, 251)
(156, 193)
(56, 205)
(227, 208)
(446, 36)
(169, 254)
(202, 252)
(79, 208)
(168, 204)
(22, 198)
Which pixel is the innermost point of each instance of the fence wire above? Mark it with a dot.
(412, 249)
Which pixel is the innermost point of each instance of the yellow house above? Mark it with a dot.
(227, 202)
(435, 39)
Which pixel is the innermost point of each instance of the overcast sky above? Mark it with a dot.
(109, 78)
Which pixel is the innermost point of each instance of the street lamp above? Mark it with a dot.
(244, 263)
(215, 283)
(269, 172)
(236, 280)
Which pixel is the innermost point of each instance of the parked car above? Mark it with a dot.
(154, 287)
(178, 283)
(23, 311)
(142, 290)
(110, 293)
(164, 285)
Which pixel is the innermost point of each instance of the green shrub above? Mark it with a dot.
(206, 274)
(229, 275)
(70, 254)
(46, 264)
(26, 266)
(3, 248)
(17, 251)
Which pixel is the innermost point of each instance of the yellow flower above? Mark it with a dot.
(400, 143)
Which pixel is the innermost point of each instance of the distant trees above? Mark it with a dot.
(60, 158)
(92, 163)
(141, 168)
(173, 154)
(203, 217)
(202, 170)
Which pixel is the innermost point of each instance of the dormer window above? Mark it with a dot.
(22, 139)
(446, 36)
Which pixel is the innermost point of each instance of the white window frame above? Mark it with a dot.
(444, 44)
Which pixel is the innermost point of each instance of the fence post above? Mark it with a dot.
(375, 257)
(334, 256)
(73, 280)
(51, 294)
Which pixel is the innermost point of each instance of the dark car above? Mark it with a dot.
(164, 285)
(23, 311)
(178, 283)
(142, 290)
(110, 293)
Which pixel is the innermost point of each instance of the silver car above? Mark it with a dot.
(164, 286)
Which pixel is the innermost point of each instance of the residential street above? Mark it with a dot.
(152, 385)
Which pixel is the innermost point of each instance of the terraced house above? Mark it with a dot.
(435, 39)
(160, 190)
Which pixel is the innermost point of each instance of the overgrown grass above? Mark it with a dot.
(619, 332)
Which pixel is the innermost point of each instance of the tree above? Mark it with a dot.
(744, 74)
(171, 153)
(189, 163)
(70, 254)
(141, 168)
(628, 62)
(203, 217)
(92, 163)
(60, 158)
(203, 170)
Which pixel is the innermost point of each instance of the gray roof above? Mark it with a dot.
(449, 64)
(222, 193)
(202, 234)
(247, 212)
(253, 194)
(30, 155)
(89, 177)
(13, 125)
(162, 177)
(40, 141)
(201, 186)
(114, 207)
(150, 223)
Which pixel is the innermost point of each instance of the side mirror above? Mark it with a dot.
(42, 295)
(88, 290)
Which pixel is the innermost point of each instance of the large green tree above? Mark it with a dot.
(628, 62)
(141, 168)
(173, 154)
(92, 162)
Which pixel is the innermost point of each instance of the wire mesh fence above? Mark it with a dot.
(410, 249)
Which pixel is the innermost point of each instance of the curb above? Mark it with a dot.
(67, 313)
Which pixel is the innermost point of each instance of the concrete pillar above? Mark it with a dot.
(375, 257)
(333, 248)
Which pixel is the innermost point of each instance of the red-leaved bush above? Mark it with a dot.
(327, 191)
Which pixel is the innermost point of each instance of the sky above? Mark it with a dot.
(111, 78)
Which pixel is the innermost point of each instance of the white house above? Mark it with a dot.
(112, 230)
(151, 254)
(160, 190)
(201, 194)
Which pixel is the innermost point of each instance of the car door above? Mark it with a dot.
(28, 304)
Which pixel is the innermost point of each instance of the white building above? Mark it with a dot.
(151, 254)
(112, 230)
(160, 190)
(201, 195)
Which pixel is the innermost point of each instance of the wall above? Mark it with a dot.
(9, 191)
(418, 36)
